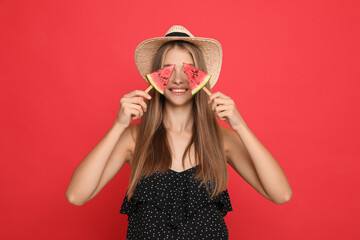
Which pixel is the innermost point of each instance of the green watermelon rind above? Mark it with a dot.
(153, 84)
(198, 88)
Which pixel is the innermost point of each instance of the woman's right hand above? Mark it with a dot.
(132, 106)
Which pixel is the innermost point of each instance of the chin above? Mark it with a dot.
(178, 102)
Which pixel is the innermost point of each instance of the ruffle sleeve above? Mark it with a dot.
(143, 193)
(199, 197)
(177, 195)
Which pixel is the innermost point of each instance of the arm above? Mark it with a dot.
(247, 155)
(100, 165)
(110, 154)
(253, 162)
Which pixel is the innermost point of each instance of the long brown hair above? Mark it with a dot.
(152, 149)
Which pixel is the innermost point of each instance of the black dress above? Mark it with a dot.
(170, 205)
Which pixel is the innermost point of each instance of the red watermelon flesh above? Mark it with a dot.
(160, 78)
(196, 78)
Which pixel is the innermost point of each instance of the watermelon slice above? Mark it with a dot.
(196, 78)
(160, 78)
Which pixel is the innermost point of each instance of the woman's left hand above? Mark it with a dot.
(225, 108)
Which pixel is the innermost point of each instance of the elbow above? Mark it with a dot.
(286, 198)
(72, 199)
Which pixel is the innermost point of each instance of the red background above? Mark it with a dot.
(292, 68)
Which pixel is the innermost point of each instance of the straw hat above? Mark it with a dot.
(212, 51)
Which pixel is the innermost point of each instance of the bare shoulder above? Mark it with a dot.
(134, 132)
(129, 137)
(226, 135)
(233, 144)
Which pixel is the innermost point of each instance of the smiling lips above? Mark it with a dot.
(178, 91)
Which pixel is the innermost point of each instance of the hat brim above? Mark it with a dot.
(212, 51)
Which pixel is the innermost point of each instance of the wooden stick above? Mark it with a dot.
(207, 91)
(148, 89)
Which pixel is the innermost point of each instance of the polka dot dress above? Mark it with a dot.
(170, 205)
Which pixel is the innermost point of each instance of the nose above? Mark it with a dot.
(178, 77)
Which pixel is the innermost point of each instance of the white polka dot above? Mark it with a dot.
(171, 206)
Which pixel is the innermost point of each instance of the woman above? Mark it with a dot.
(178, 154)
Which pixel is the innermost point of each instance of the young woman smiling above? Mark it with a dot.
(178, 154)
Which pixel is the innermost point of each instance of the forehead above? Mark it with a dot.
(177, 55)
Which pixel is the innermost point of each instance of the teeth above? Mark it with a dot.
(179, 90)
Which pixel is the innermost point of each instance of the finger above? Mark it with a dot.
(133, 106)
(221, 108)
(213, 96)
(135, 100)
(132, 99)
(135, 114)
(144, 106)
(224, 114)
(138, 108)
(218, 97)
(139, 93)
(220, 101)
(218, 94)
(222, 118)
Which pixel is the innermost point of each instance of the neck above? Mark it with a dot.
(179, 119)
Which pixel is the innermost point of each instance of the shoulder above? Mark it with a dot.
(129, 137)
(226, 134)
(134, 129)
(233, 145)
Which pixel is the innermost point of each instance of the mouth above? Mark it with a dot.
(178, 91)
